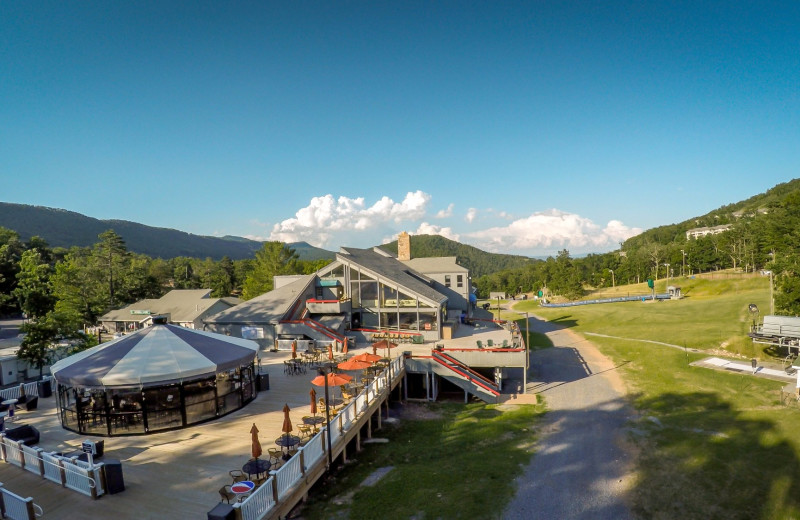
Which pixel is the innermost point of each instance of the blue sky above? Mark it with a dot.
(519, 127)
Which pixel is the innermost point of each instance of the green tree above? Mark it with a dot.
(274, 258)
(33, 291)
(10, 253)
(41, 335)
(79, 287)
(112, 257)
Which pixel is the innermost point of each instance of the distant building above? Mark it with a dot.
(184, 307)
(704, 231)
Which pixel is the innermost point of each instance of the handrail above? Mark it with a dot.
(315, 323)
(495, 392)
(464, 367)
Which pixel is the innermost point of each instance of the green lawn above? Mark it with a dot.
(449, 460)
(711, 444)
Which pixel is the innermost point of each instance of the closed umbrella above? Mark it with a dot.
(330, 352)
(344, 347)
(287, 423)
(294, 349)
(255, 449)
(313, 395)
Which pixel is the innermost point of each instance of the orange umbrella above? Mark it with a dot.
(375, 350)
(287, 423)
(294, 349)
(366, 356)
(344, 347)
(384, 344)
(332, 379)
(255, 449)
(330, 352)
(353, 364)
(313, 395)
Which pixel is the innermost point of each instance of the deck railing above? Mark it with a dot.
(15, 507)
(74, 474)
(282, 482)
(31, 389)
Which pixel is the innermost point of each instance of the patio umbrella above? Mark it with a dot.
(331, 379)
(374, 350)
(366, 356)
(313, 395)
(344, 347)
(330, 352)
(287, 423)
(294, 349)
(384, 343)
(353, 364)
(255, 449)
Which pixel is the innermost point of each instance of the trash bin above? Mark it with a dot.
(262, 382)
(222, 512)
(114, 481)
(45, 388)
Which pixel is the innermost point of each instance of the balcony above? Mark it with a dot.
(328, 306)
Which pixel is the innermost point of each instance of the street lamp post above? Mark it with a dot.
(683, 262)
(498, 308)
(667, 270)
(527, 332)
(613, 282)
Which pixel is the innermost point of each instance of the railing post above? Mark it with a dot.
(2, 500)
(3, 446)
(274, 486)
(39, 457)
(29, 507)
(63, 472)
(302, 462)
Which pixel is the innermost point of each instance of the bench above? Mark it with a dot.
(26, 434)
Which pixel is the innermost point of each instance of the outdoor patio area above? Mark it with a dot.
(177, 474)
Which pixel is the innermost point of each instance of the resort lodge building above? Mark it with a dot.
(365, 294)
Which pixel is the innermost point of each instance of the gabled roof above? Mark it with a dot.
(387, 267)
(433, 265)
(269, 307)
(182, 306)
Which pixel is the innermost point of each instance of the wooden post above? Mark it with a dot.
(302, 463)
(274, 486)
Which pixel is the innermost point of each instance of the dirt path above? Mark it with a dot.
(582, 468)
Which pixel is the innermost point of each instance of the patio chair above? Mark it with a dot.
(236, 475)
(480, 343)
(505, 344)
(274, 456)
(226, 494)
(259, 481)
(489, 343)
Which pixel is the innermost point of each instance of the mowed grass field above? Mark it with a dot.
(709, 444)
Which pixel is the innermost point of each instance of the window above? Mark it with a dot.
(252, 332)
(460, 280)
(447, 280)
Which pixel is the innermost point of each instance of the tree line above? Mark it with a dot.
(61, 291)
(763, 235)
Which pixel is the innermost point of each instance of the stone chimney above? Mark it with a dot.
(403, 247)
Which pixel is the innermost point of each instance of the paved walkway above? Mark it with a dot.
(581, 468)
(769, 371)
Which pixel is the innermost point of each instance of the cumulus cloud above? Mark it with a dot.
(325, 215)
(552, 228)
(445, 213)
(432, 229)
(471, 214)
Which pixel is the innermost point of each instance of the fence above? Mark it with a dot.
(15, 507)
(281, 482)
(71, 473)
(31, 389)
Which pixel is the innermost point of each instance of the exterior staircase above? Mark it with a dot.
(464, 377)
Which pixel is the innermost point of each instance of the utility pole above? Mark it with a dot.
(683, 262)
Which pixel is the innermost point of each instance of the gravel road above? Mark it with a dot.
(581, 468)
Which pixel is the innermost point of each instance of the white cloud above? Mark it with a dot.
(325, 215)
(552, 228)
(471, 214)
(445, 213)
(432, 229)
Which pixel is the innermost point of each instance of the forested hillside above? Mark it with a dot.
(62, 228)
(479, 263)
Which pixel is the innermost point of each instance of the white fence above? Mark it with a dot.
(15, 507)
(280, 484)
(71, 473)
(31, 389)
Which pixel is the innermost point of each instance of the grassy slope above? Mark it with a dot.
(712, 444)
(456, 461)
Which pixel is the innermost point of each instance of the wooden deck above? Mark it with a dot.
(177, 474)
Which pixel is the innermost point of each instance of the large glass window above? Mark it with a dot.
(406, 300)
(388, 296)
(252, 332)
(201, 401)
(460, 280)
(369, 294)
(427, 321)
(163, 408)
(389, 320)
(355, 294)
(408, 320)
(369, 319)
